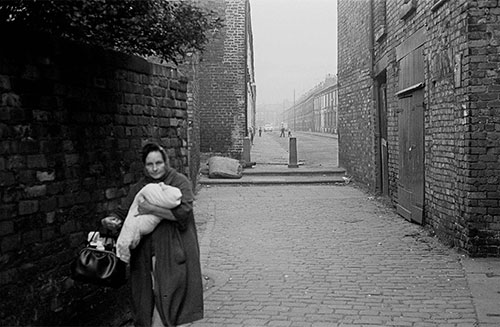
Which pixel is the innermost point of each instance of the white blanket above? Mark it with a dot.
(135, 225)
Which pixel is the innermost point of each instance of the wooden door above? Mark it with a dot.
(411, 137)
(411, 157)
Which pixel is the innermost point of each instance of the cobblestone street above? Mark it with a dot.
(323, 255)
(329, 255)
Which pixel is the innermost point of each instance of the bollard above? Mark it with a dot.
(292, 158)
(246, 150)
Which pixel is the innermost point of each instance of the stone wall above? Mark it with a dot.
(72, 122)
(223, 81)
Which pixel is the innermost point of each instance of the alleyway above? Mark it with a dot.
(322, 255)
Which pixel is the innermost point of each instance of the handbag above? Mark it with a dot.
(98, 264)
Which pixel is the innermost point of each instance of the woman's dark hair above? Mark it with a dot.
(153, 147)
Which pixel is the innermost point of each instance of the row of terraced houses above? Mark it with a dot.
(314, 111)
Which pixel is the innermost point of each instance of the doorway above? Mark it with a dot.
(411, 136)
(411, 157)
(383, 152)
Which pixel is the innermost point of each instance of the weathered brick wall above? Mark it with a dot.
(461, 104)
(443, 129)
(397, 31)
(356, 107)
(479, 121)
(190, 69)
(72, 122)
(385, 42)
(439, 112)
(223, 91)
(460, 195)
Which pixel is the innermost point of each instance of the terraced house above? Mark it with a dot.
(227, 89)
(316, 109)
(419, 112)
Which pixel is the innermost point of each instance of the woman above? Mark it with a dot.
(167, 288)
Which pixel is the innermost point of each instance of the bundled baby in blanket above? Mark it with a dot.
(137, 225)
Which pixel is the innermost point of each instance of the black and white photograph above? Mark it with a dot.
(250, 163)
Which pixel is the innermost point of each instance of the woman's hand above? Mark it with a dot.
(144, 207)
(111, 223)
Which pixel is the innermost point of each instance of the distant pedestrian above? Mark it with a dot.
(289, 132)
(282, 134)
(260, 131)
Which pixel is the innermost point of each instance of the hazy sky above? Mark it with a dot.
(295, 46)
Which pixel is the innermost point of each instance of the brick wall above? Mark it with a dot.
(478, 123)
(397, 30)
(190, 69)
(72, 122)
(223, 104)
(460, 203)
(461, 101)
(444, 130)
(356, 107)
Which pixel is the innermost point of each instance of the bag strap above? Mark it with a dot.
(95, 232)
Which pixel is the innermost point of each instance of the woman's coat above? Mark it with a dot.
(179, 293)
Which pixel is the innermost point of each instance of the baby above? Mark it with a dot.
(136, 225)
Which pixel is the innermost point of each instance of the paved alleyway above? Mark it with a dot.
(323, 256)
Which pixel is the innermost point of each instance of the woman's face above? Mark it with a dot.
(155, 165)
